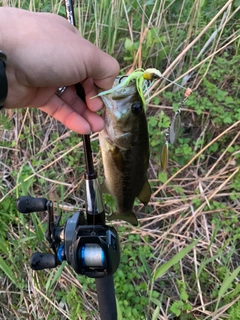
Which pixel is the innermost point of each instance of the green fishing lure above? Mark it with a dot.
(140, 75)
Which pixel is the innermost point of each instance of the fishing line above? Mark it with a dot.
(180, 86)
(150, 24)
(172, 132)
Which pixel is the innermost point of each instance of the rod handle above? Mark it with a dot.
(106, 297)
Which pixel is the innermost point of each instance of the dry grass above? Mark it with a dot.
(171, 225)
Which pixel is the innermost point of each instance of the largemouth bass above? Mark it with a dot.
(124, 146)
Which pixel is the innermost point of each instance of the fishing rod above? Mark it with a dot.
(105, 285)
(89, 246)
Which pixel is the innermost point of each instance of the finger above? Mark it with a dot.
(71, 98)
(71, 111)
(95, 104)
(95, 121)
(102, 68)
(93, 63)
(61, 111)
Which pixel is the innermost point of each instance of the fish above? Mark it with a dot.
(124, 145)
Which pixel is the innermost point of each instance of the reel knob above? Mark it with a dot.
(40, 261)
(27, 204)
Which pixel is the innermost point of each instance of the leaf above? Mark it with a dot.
(23, 240)
(227, 119)
(184, 295)
(119, 311)
(155, 301)
(48, 284)
(166, 266)
(58, 273)
(3, 247)
(214, 147)
(7, 270)
(176, 307)
(51, 279)
(149, 39)
(162, 177)
(204, 263)
(62, 11)
(228, 99)
(129, 45)
(156, 313)
(146, 266)
(236, 3)
(226, 284)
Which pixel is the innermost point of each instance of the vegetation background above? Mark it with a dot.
(163, 273)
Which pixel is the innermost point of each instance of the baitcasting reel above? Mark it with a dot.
(90, 249)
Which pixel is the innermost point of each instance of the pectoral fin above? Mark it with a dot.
(145, 193)
(117, 158)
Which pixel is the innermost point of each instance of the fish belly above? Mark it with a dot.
(125, 175)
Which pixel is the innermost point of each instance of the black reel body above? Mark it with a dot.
(91, 250)
(94, 251)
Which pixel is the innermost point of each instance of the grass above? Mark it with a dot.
(163, 273)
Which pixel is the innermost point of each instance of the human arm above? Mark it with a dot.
(46, 52)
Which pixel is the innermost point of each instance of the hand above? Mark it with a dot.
(46, 52)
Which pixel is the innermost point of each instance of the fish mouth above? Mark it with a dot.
(125, 91)
(117, 103)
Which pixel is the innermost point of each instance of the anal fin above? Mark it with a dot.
(129, 217)
(145, 193)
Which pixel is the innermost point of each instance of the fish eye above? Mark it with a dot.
(137, 107)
